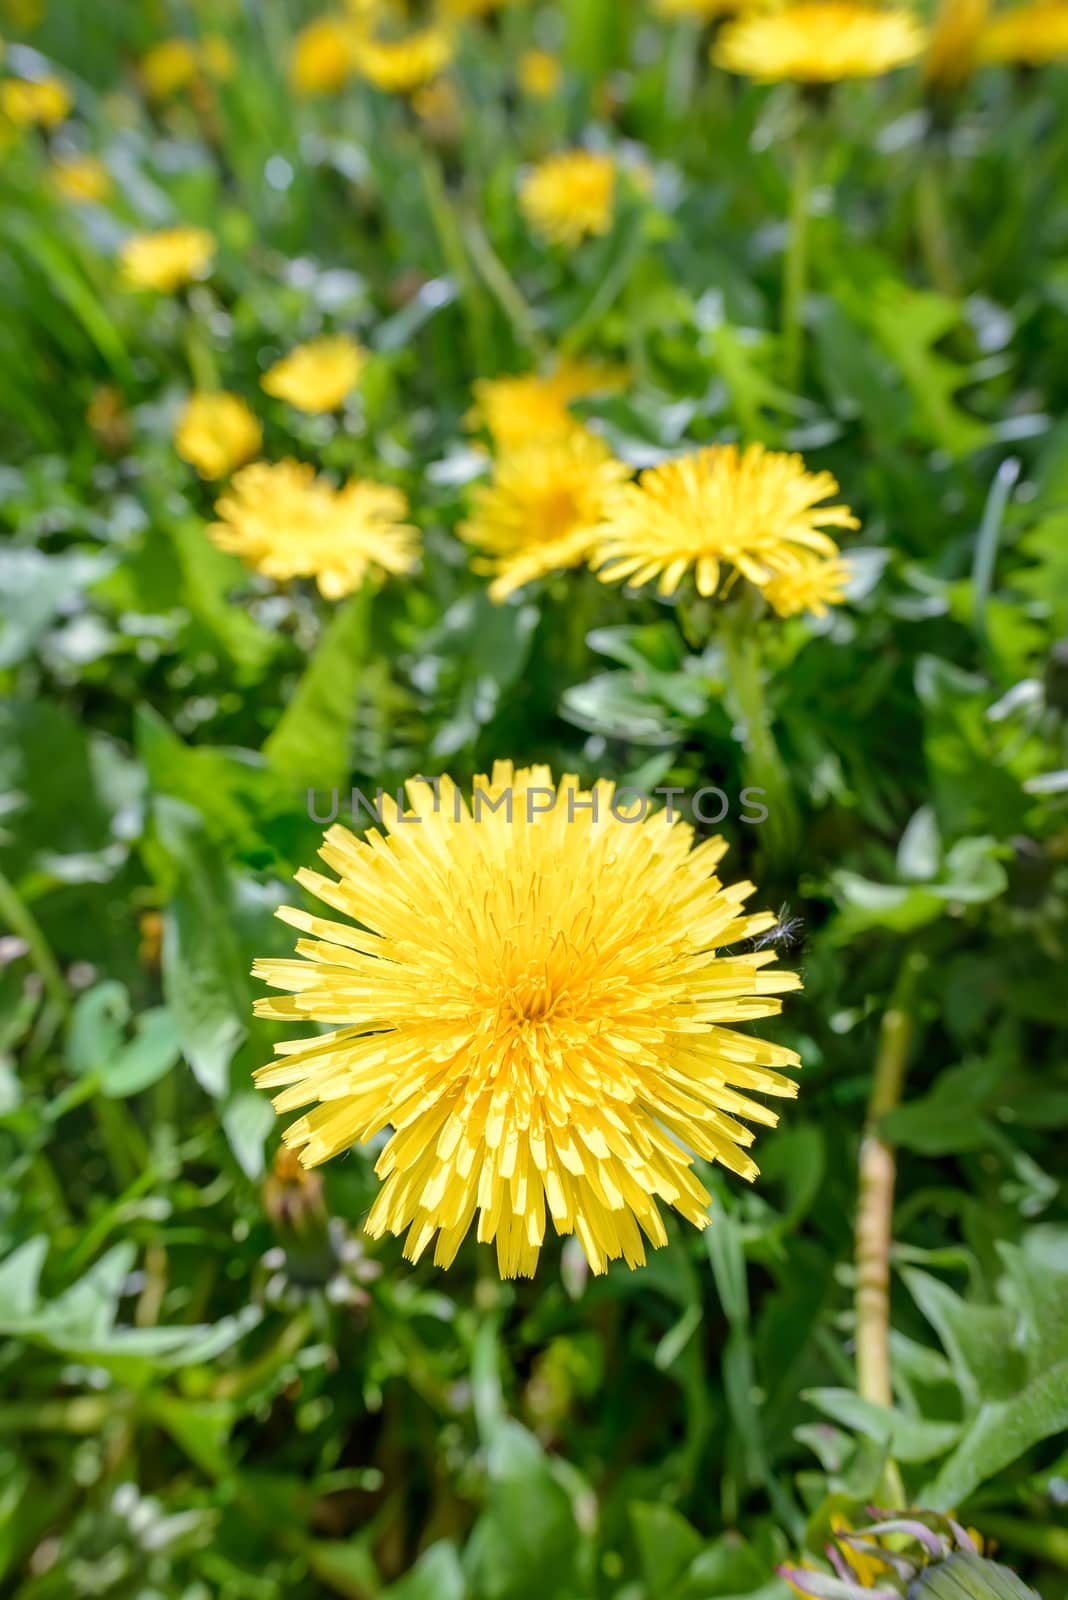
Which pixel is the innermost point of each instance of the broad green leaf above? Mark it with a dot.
(203, 973)
(666, 1542)
(311, 745)
(999, 1433)
(437, 1575)
(909, 1438)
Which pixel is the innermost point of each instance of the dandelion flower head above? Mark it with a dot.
(1028, 35)
(35, 103)
(819, 41)
(285, 522)
(540, 511)
(540, 1001)
(757, 511)
(519, 410)
(216, 433)
(570, 196)
(167, 259)
(402, 65)
(317, 376)
(83, 179)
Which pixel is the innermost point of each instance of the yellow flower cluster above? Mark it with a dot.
(177, 64)
(331, 49)
(287, 523)
(34, 103)
(557, 498)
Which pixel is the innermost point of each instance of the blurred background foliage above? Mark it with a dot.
(213, 1384)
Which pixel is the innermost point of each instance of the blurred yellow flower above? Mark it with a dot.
(569, 196)
(517, 411)
(1028, 35)
(952, 49)
(322, 58)
(540, 511)
(755, 510)
(217, 432)
(82, 178)
(438, 105)
(533, 995)
(539, 73)
(402, 65)
(169, 67)
(317, 376)
(812, 585)
(462, 10)
(34, 103)
(166, 260)
(217, 57)
(287, 523)
(819, 41)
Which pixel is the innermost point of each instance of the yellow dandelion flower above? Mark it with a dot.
(82, 178)
(217, 57)
(35, 103)
(167, 259)
(539, 73)
(952, 51)
(216, 433)
(811, 586)
(516, 411)
(317, 376)
(438, 105)
(1027, 35)
(755, 510)
(321, 58)
(819, 41)
(168, 68)
(287, 523)
(540, 511)
(402, 65)
(536, 1001)
(570, 196)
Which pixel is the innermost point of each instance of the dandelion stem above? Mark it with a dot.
(875, 1201)
(451, 242)
(936, 246)
(22, 922)
(502, 286)
(201, 357)
(795, 265)
(765, 769)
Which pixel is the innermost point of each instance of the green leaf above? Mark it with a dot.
(437, 1575)
(666, 1544)
(311, 744)
(200, 1427)
(909, 1438)
(247, 1120)
(203, 973)
(346, 1567)
(977, 1339)
(526, 1543)
(96, 1030)
(998, 1435)
(147, 1058)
